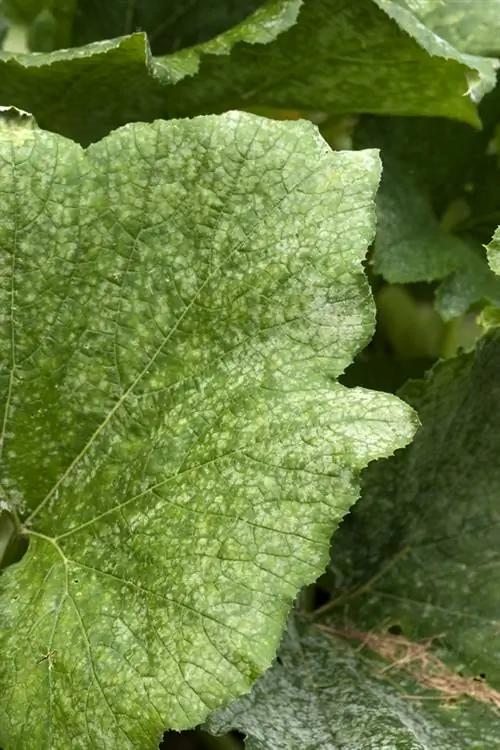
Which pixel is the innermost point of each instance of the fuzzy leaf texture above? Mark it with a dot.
(429, 563)
(469, 25)
(176, 301)
(327, 694)
(323, 55)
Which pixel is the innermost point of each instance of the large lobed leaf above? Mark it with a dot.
(418, 556)
(368, 56)
(176, 300)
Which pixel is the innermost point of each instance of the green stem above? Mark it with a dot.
(451, 338)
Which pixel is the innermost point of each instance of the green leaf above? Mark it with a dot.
(420, 551)
(333, 56)
(346, 57)
(437, 177)
(410, 244)
(175, 301)
(469, 25)
(117, 80)
(170, 25)
(480, 82)
(324, 694)
(472, 285)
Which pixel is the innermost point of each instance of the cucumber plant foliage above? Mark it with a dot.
(249, 374)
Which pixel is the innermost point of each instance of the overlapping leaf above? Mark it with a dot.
(169, 25)
(469, 25)
(474, 284)
(436, 173)
(175, 300)
(417, 556)
(324, 694)
(411, 245)
(423, 541)
(368, 56)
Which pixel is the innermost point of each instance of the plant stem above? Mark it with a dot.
(451, 338)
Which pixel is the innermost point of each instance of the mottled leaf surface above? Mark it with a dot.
(424, 539)
(317, 54)
(323, 694)
(175, 303)
(470, 25)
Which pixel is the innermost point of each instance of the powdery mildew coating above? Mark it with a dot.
(179, 299)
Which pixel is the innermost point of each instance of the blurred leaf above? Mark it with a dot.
(346, 58)
(414, 329)
(49, 23)
(410, 244)
(473, 285)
